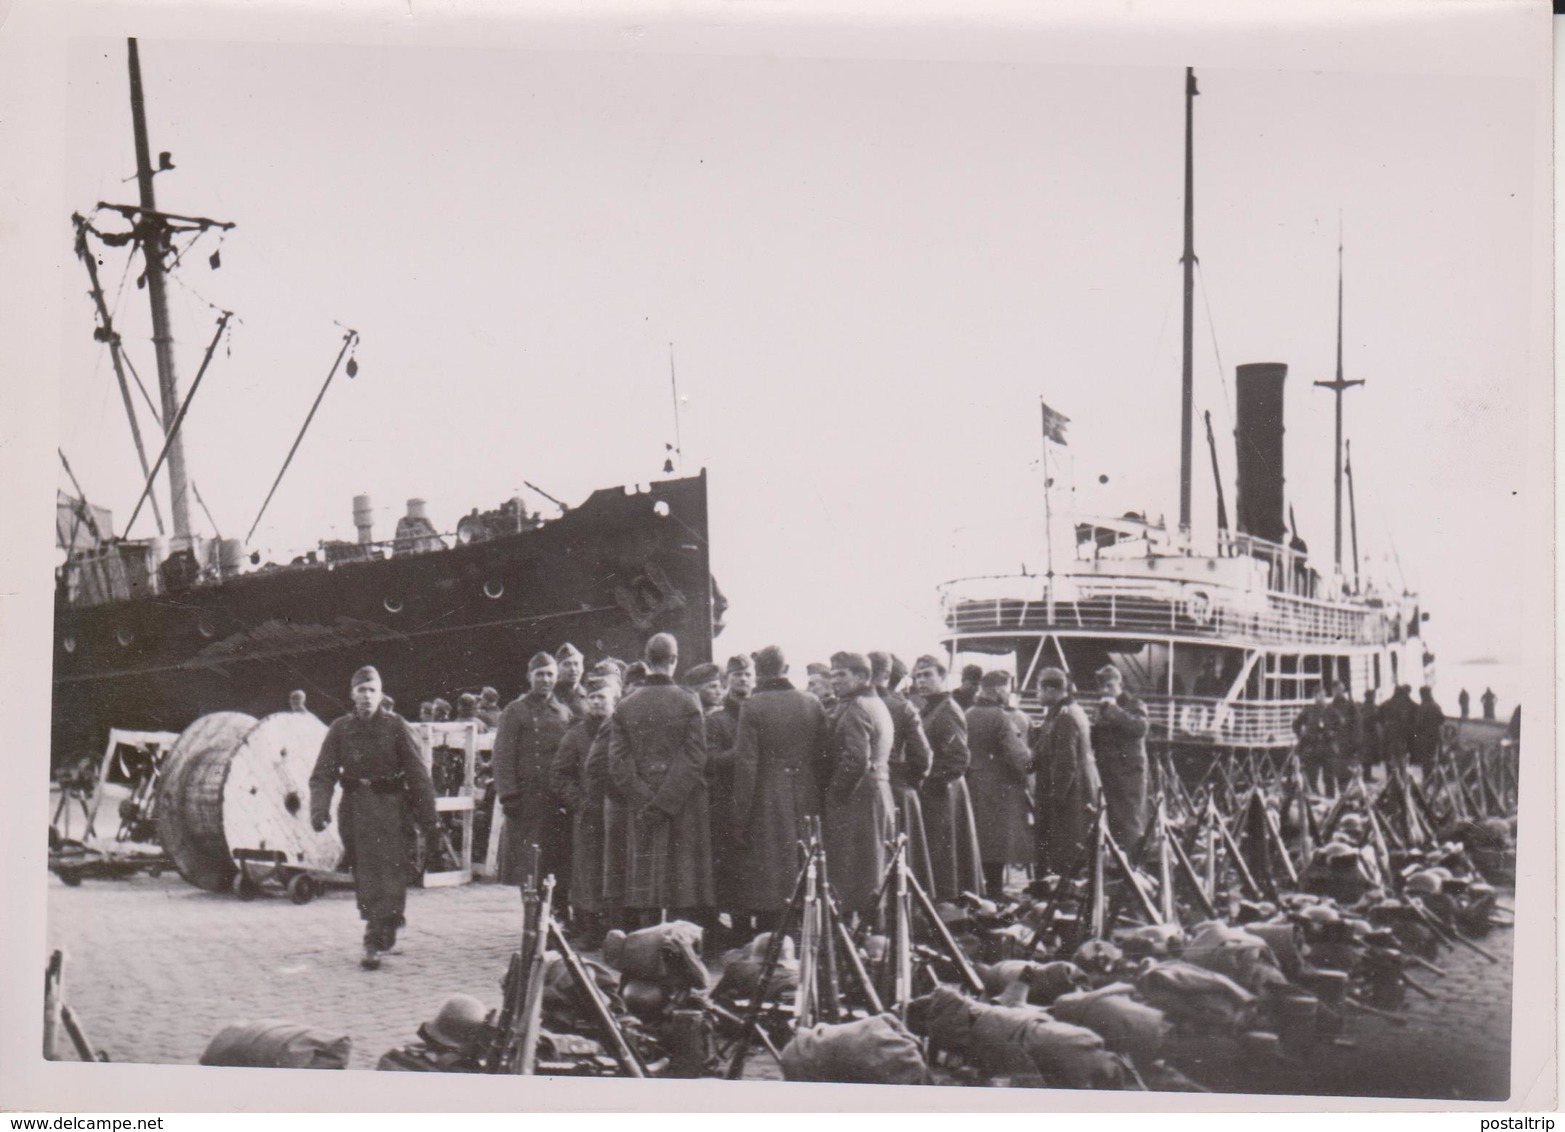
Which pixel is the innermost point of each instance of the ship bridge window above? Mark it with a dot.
(494, 589)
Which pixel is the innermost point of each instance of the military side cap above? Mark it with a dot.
(879, 665)
(740, 664)
(366, 675)
(898, 670)
(702, 674)
(816, 668)
(540, 660)
(566, 651)
(997, 679)
(852, 661)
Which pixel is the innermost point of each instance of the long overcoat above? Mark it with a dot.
(722, 728)
(1067, 783)
(531, 727)
(782, 733)
(997, 779)
(858, 812)
(1119, 745)
(657, 760)
(948, 809)
(582, 796)
(384, 783)
(910, 759)
(1427, 722)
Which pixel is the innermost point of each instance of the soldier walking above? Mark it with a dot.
(948, 809)
(857, 811)
(781, 737)
(1067, 775)
(1119, 747)
(997, 778)
(530, 731)
(371, 754)
(657, 760)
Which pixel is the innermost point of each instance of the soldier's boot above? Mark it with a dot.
(370, 960)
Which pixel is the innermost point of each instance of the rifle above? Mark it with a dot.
(504, 1049)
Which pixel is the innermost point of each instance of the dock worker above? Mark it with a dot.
(1119, 746)
(777, 753)
(530, 731)
(1067, 775)
(371, 754)
(858, 813)
(948, 809)
(998, 778)
(657, 763)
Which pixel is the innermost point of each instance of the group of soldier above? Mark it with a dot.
(651, 793)
(1338, 735)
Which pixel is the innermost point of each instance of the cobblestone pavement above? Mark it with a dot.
(155, 968)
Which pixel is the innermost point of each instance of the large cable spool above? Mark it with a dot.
(266, 799)
(190, 799)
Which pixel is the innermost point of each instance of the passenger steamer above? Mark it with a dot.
(1226, 643)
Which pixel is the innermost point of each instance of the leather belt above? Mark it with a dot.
(375, 785)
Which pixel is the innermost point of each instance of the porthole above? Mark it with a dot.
(494, 589)
(68, 642)
(124, 636)
(205, 627)
(660, 508)
(393, 605)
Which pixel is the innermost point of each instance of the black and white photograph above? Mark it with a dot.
(778, 546)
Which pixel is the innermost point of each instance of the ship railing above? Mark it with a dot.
(1140, 606)
(1205, 720)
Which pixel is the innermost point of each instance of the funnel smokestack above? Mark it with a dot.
(1258, 436)
(364, 519)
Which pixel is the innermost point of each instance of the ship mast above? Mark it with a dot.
(1189, 261)
(1339, 386)
(153, 234)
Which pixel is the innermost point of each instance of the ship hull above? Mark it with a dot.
(604, 576)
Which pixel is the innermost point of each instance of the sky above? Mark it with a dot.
(868, 272)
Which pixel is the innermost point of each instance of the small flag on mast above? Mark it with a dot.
(1053, 424)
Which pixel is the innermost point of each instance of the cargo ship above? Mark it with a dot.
(151, 633)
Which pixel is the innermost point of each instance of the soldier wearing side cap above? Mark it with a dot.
(947, 805)
(998, 778)
(576, 778)
(530, 731)
(568, 688)
(858, 813)
(818, 683)
(1067, 775)
(722, 727)
(782, 733)
(372, 755)
(1119, 748)
(910, 758)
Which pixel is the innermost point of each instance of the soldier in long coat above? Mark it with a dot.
(857, 811)
(997, 778)
(782, 734)
(1396, 727)
(1119, 747)
(948, 809)
(568, 686)
(910, 758)
(657, 760)
(1427, 724)
(722, 728)
(1067, 775)
(1316, 729)
(577, 782)
(372, 755)
(531, 727)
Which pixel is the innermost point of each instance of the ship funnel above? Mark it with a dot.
(364, 519)
(416, 509)
(230, 556)
(1258, 435)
